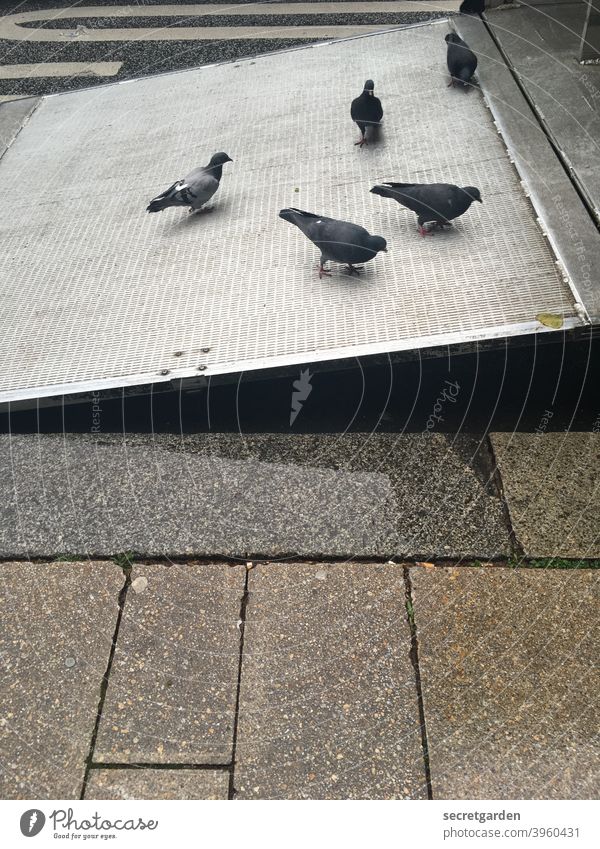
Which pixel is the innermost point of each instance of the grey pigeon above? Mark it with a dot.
(338, 241)
(433, 202)
(461, 60)
(194, 190)
(366, 111)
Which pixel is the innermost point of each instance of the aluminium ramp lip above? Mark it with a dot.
(101, 295)
(531, 328)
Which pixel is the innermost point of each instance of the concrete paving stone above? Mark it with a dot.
(328, 702)
(58, 621)
(551, 483)
(508, 661)
(172, 689)
(150, 783)
(13, 116)
(241, 495)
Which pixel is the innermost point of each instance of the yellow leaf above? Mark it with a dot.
(550, 320)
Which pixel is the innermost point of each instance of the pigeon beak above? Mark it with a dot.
(229, 159)
(479, 199)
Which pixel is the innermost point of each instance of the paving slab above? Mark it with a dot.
(13, 117)
(551, 483)
(508, 661)
(173, 684)
(328, 702)
(157, 784)
(246, 495)
(58, 622)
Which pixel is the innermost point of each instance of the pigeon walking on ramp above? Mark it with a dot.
(461, 60)
(433, 202)
(338, 241)
(194, 190)
(366, 111)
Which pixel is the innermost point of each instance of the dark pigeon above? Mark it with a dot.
(338, 241)
(433, 202)
(194, 190)
(366, 111)
(461, 60)
(472, 7)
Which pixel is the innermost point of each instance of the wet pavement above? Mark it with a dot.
(206, 495)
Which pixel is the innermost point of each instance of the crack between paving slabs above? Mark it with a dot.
(414, 657)
(105, 679)
(242, 623)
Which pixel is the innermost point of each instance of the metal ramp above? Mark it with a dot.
(97, 294)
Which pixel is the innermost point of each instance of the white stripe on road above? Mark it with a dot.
(10, 24)
(60, 69)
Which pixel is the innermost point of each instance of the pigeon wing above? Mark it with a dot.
(199, 187)
(377, 109)
(341, 241)
(366, 109)
(462, 62)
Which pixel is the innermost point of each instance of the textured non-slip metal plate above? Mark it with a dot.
(97, 293)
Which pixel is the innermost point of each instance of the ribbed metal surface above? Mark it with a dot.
(97, 292)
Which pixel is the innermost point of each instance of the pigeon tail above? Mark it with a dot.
(294, 216)
(389, 190)
(165, 199)
(464, 75)
(157, 205)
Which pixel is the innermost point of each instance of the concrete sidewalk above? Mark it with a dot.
(299, 680)
(353, 674)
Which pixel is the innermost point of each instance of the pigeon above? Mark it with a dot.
(437, 202)
(338, 241)
(194, 190)
(366, 111)
(461, 60)
(472, 7)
